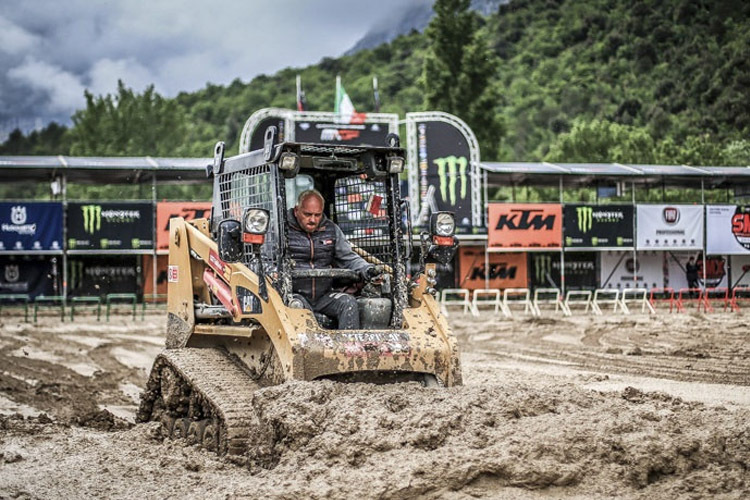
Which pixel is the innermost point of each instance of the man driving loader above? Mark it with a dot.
(316, 242)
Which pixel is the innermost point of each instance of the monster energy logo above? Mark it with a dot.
(542, 267)
(449, 170)
(585, 218)
(75, 275)
(92, 218)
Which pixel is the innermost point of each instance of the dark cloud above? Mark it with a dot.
(50, 51)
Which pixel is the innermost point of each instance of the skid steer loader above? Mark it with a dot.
(234, 325)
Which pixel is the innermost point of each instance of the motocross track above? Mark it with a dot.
(583, 407)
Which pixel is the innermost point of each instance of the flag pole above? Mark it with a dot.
(375, 93)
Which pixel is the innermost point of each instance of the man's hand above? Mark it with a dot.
(372, 274)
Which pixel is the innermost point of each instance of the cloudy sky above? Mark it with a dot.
(51, 50)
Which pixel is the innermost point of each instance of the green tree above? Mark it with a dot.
(128, 124)
(603, 141)
(458, 70)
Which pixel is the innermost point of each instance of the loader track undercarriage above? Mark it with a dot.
(202, 396)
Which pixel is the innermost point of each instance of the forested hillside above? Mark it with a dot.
(563, 80)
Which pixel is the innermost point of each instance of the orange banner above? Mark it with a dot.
(525, 225)
(161, 274)
(507, 270)
(188, 210)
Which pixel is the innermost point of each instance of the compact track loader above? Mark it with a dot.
(234, 325)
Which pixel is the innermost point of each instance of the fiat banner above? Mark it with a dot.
(624, 270)
(110, 226)
(727, 230)
(31, 226)
(598, 226)
(670, 227)
(506, 270)
(185, 209)
(29, 275)
(525, 225)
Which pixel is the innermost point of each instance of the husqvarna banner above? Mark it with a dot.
(185, 209)
(669, 227)
(506, 270)
(727, 230)
(598, 226)
(29, 275)
(110, 226)
(525, 225)
(31, 226)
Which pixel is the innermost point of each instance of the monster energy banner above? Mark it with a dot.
(259, 133)
(110, 226)
(602, 226)
(28, 275)
(31, 226)
(580, 270)
(99, 275)
(444, 156)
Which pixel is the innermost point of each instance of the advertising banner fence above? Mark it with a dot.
(330, 132)
(602, 226)
(188, 210)
(100, 275)
(161, 274)
(507, 270)
(675, 275)
(31, 226)
(670, 227)
(740, 266)
(620, 270)
(444, 167)
(580, 270)
(110, 226)
(525, 225)
(727, 230)
(31, 275)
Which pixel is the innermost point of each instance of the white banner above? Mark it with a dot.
(675, 276)
(669, 227)
(620, 270)
(727, 230)
(740, 270)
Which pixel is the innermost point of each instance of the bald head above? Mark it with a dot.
(309, 210)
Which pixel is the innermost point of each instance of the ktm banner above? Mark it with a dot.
(525, 225)
(727, 230)
(506, 270)
(598, 226)
(186, 209)
(161, 274)
(110, 226)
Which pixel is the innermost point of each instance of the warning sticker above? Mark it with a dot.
(172, 274)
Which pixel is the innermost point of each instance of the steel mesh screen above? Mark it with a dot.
(361, 211)
(252, 187)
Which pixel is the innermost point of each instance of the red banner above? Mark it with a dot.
(161, 274)
(188, 210)
(506, 270)
(525, 225)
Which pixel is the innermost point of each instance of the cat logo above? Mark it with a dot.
(18, 215)
(12, 273)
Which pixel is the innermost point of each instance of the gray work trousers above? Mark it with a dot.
(339, 305)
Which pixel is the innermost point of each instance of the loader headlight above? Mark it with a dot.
(442, 224)
(395, 165)
(255, 225)
(288, 161)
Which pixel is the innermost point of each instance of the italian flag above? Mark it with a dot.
(343, 108)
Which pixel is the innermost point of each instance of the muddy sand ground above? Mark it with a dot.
(616, 406)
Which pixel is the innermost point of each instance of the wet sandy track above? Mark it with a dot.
(631, 407)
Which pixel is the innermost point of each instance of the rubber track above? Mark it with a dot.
(222, 384)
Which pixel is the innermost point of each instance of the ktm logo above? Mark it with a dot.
(525, 219)
(502, 271)
(671, 215)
